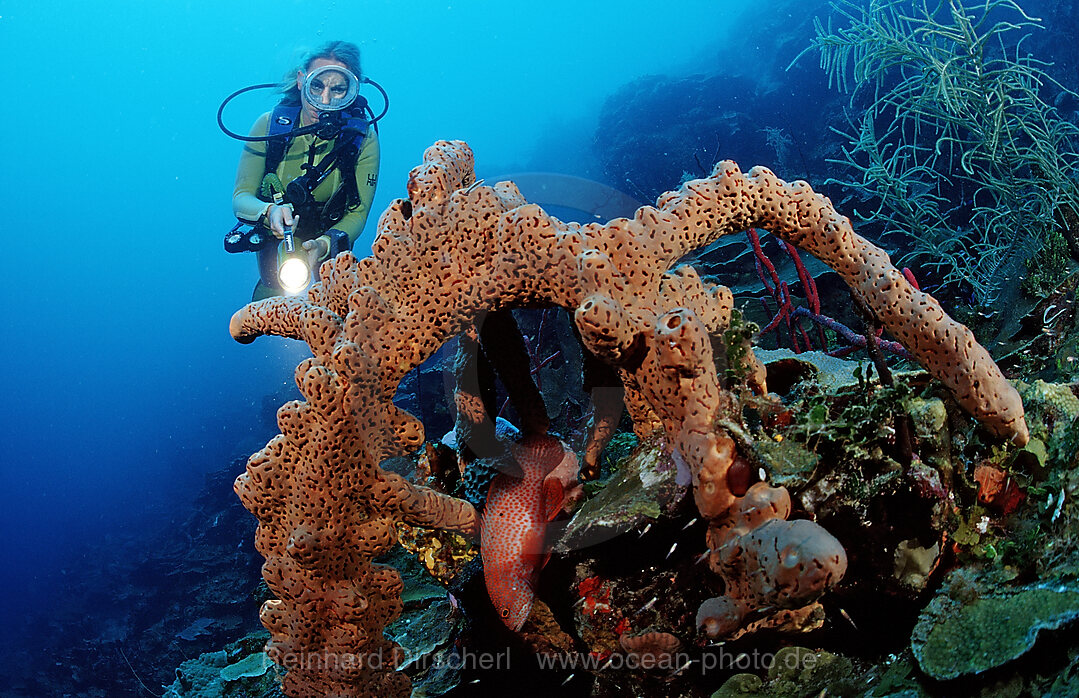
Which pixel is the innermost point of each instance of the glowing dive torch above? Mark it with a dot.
(292, 270)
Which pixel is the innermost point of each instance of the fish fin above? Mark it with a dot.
(532, 581)
(553, 497)
(534, 548)
(537, 560)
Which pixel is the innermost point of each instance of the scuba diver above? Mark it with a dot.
(307, 176)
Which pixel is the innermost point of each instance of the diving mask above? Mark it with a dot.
(330, 88)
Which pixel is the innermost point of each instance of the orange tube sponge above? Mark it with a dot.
(766, 561)
(454, 250)
(325, 510)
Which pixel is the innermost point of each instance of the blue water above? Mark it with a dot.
(122, 385)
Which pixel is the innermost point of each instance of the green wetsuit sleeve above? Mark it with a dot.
(366, 181)
(245, 201)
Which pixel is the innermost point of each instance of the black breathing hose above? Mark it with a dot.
(298, 131)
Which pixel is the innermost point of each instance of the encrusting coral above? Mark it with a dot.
(454, 250)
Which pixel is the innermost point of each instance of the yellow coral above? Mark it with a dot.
(442, 553)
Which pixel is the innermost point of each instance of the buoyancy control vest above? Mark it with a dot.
(342, 156)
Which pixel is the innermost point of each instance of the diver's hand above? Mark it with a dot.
(280, 217)
(317, 251)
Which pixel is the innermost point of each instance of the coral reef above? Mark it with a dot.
(982, 531)
(982, 630)
(239, 669)
(454, 250)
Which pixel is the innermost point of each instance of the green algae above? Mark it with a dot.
(741, 686)
(790, 463)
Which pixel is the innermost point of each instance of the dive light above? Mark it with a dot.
(292, 270)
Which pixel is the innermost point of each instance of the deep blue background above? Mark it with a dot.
(122, 386)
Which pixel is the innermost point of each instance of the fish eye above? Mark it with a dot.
(505, 613)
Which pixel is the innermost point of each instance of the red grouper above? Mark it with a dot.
(514, 523)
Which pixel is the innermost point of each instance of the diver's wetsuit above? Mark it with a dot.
(247, 205)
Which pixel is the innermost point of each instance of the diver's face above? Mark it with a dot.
(326, 87)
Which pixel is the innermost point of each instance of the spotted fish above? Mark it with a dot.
(514, 523)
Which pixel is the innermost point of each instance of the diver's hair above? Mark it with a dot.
(344, 52)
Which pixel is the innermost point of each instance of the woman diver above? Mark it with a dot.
(307, 173)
